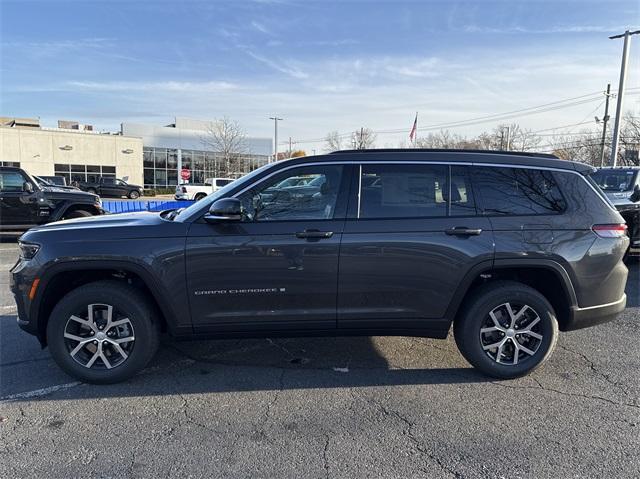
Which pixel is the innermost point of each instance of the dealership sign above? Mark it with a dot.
(185, 174)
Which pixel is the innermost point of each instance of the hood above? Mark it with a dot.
(53, 193)
(620, 198)
(143, 224)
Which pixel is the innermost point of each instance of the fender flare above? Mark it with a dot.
(158, 292)
(514, 263)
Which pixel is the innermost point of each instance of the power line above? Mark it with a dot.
(543, 108)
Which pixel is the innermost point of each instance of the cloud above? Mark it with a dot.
(260, 27)
(547, 30)
(285, 68)
(126, 86)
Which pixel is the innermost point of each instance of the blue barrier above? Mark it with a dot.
(142, 205)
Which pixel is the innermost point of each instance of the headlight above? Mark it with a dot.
(28, 250)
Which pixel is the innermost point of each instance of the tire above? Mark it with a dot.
(77, 214)
(138, 338)
(199, 196)
(92, 191)
(134, 195)
(507, 362)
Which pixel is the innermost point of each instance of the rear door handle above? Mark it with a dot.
(314, 234)
(463, 231)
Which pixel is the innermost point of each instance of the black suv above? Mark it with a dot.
(509, 248)
(26, 202)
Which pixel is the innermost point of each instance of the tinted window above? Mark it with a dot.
(220, 183)
(108, 181)
(517, 191)
(462, 200)
(271, 200)
(403, 191)
(11, 181)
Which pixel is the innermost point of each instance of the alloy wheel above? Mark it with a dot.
(104, 339)
(511, 333)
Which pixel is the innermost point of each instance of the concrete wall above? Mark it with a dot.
(38, 150)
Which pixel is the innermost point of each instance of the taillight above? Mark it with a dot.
(610, 231)
(184, 189)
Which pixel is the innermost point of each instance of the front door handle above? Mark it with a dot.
(463, 231)
(314, 234)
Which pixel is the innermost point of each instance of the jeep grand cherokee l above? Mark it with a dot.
(509, 248)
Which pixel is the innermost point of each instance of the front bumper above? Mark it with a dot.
(593, 315)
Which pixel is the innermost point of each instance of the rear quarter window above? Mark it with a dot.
(517, 191)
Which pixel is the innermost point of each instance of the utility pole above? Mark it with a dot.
(290, 147)
(275, 135)
(605, 119)
(502, 138)
(361, 138)
(623, 78)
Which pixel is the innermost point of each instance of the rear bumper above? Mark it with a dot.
(593, 315)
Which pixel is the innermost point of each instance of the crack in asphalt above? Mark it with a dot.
(565, 393)
(325, 461)
(594, 368)
(408, 432)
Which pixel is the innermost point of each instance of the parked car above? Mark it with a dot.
(109, 186)
(197, 191)
(25, 202)
(510, 248)
(47, 184)
(622, 187)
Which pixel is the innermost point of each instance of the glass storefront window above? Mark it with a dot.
(172, 159)
(147, 157)
(161, 158)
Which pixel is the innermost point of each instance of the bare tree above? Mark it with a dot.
(333, 141)
(227, 138)
(363, 139)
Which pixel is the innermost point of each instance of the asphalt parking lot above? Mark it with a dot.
(334, 407)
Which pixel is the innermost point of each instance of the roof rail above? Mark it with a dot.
(446, 150)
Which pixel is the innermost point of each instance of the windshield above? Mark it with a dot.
(209, 199)
(42, 182)
(615, 180)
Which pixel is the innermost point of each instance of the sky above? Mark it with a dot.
(320, 65)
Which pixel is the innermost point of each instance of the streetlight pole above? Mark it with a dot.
(605, 119)
(275, 135)
(623, 78)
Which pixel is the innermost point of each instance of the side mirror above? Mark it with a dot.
(27, 187)
(635, 196)
(225, 209)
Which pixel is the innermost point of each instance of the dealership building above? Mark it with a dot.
(143, 154)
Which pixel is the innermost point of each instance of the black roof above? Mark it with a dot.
(517, 158)
(446, 150)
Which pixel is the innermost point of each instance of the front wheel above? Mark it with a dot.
(506, 330)
(134, 195)
(199, 196)
(103, 332)
(76, 214)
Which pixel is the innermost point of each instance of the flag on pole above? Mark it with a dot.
(414, 129)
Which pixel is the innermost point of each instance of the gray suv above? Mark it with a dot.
(509, 248)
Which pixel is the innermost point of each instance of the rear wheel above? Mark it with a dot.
(102, 332)
(77, 214)
(506, 330)
(92, 190)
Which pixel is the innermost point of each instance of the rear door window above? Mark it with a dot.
(517, 191)
(403, 191)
